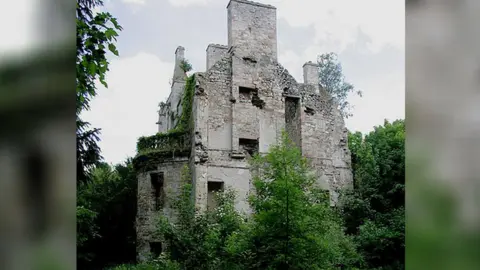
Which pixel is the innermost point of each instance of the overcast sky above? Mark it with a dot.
(367, 35)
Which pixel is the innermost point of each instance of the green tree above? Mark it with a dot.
(197, 240)
(106, 210)
(374, 211)
(96, 34)
(333, 81)
(293, 225)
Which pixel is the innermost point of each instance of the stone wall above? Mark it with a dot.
(252, 27)
(212, 110)
(215, 52)
(170, 110)
(247, 98)
(324, 139)
(163, 111)
(147, 212)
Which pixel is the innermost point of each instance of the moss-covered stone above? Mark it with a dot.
(163, 141)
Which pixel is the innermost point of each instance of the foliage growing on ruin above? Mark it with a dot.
(185, 122)
(198, 239)
(374, 211)
(222, 239)
(333, 81)
(175, 139)
(162, 105)
(175, 142)
(149, 160)
(292, 225)
(185, 66)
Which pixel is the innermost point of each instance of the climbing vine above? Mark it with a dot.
(175, 142)
(185, 123)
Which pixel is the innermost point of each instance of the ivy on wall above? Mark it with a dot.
(185, 122)
(173, 143)
(163, 141)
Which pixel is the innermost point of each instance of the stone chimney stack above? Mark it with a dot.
(215, 52)
(310, 75)
(178, 73)
(252, 28)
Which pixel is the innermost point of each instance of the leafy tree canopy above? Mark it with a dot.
(96, 35)
(333, 81)
(374, 211)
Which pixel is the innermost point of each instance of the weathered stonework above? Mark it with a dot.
(147, 212)
(242, 103)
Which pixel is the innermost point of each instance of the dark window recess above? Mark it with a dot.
(157, 189)
(213, 187)
(172, 118)
(309, 111)
(257, 101)
(245, 94)
(292, 120)
(249, 59)
(248, 145)
(155, 248)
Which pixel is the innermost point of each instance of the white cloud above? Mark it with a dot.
(127, 109)
(136, 2)
(293, 63)
(339, 21)
(186, 3)
(384, 98)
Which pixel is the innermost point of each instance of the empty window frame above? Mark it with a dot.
(213, 188)
(157, 181)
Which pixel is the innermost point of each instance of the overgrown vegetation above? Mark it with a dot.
(291, 226)
(175, 139)
(105, 196)
(106, 209)
(375, 211)
(198, 239)
(175, 142)
(333, 81)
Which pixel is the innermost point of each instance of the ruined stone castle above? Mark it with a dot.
(240, 105)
